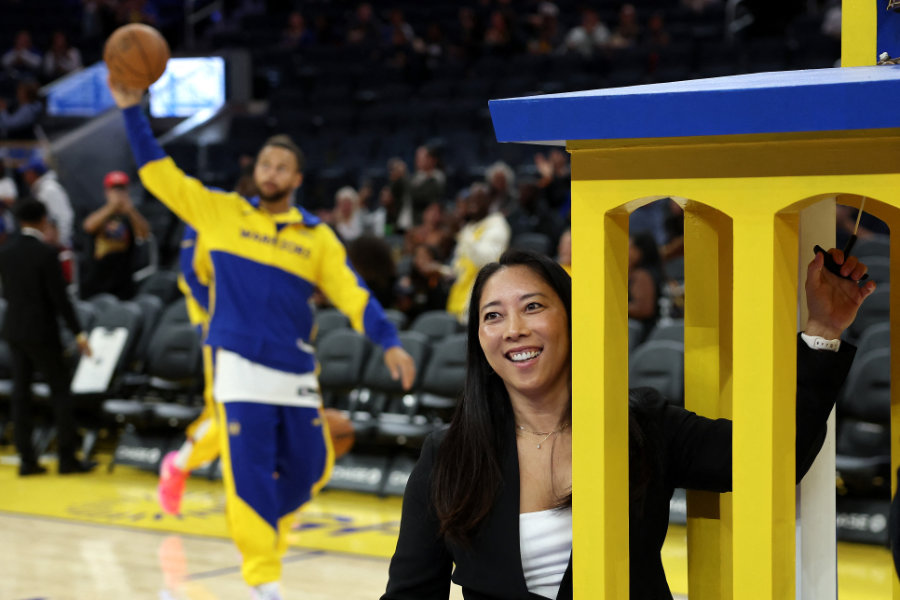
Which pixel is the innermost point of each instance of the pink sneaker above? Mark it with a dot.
(171, 484)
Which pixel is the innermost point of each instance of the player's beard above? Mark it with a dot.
(274, 197)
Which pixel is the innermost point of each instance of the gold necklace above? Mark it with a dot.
(546, 434)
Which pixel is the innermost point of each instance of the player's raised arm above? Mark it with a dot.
(184, 195)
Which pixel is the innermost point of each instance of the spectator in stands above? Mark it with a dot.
(657, 37)
(20, 122)
(645, 280)
(482, 240)
(399, 183)
(398, 31)
(831, 22)
(45, 186)
(501, 181)
(297, 36)
(136, 11)
(699, 6)
(427, 285)
(587, 38)
(384, 218)
(628, 30)
(61, 59)
(97, 19)
(364, 28)
(36, 297)
(9, 192)
(371, 257)
(429, 50)
(674, 228)
(434, 232)
(428, 183)
(533, 215)
(490, 498)
(115, 229)
(564, 251)
(326, 34)
(501, 37)
(555, 179)
(350, 218)
(466, 44)
(22, 61)
(546, 37)
(651, 218)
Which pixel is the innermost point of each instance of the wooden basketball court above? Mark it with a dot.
(102, 536)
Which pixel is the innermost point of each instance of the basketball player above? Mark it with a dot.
(267, 260)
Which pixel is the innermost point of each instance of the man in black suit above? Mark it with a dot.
(35, 292)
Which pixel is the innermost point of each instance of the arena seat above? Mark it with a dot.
(396, 317)
(879, 268)
(876, 309)
(342, 356)
(397, 411)
(163, 284)
(533, 241)
(660, 365)
(635, 334)
(329, 320)
(672, 330)
(863, 458)
(877, 245)
(867, 392)
(151, 307)
(444, 378)
(101, 302)
(174, 312)
(170, 397)
(874, 337)
(436, 324)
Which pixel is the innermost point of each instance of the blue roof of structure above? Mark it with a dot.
(781, 102)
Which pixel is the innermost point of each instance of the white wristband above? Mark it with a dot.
(817, 342)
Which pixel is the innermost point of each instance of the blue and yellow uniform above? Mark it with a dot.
(194, 282)
(275, 451)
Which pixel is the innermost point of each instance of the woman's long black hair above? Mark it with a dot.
(467, 473)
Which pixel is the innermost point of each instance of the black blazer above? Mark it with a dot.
(35, 292)
(681, 449)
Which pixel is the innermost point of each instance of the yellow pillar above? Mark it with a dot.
(859, 33)
(765, 312)
(602, 505)
(707, 383)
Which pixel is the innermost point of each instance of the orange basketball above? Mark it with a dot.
(341, 430)
(136, 55)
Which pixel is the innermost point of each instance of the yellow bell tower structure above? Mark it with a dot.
(760, 159)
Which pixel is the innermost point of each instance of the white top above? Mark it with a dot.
(545, 542)
(48, 190)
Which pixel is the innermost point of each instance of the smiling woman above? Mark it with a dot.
(492, 495)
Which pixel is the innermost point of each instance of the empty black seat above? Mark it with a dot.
(436, 324)
(328, 321)
(659, 365)
(342, 356)
(444, 379)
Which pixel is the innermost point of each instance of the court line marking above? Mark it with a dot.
(160, 533)
(237, 569)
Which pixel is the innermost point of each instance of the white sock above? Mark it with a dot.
(184, 453)
(267, 591)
